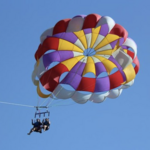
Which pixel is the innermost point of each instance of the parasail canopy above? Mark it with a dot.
(85, 48)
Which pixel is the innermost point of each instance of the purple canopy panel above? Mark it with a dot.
(124, 47)
(121, 41)
(51, 57)
(87, 31)
(78, 68)
(72, 79)
(113, 44)
(104, 30)
(64, 55)
(59, 35)
(99, 68)
(56, 56)
(68, 36)
(102, 84)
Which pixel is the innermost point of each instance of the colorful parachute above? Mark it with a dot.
(82, 45)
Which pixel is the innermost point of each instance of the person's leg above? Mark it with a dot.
(40, 130)
(47, 127)
(44, 127)
(31, 131)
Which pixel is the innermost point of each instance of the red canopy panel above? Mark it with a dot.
(49, 43)
(131, 54)
(61, 26)
(137, 65)
(91, 21)
(50, 79)
(87, 84)
(116, 80)
(120, 31)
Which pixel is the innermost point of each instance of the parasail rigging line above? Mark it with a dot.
(16, 104)
(38, 104)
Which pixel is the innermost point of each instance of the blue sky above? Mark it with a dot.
(116, 124)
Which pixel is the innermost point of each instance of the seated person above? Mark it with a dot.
(46, 124)
(37, 127)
